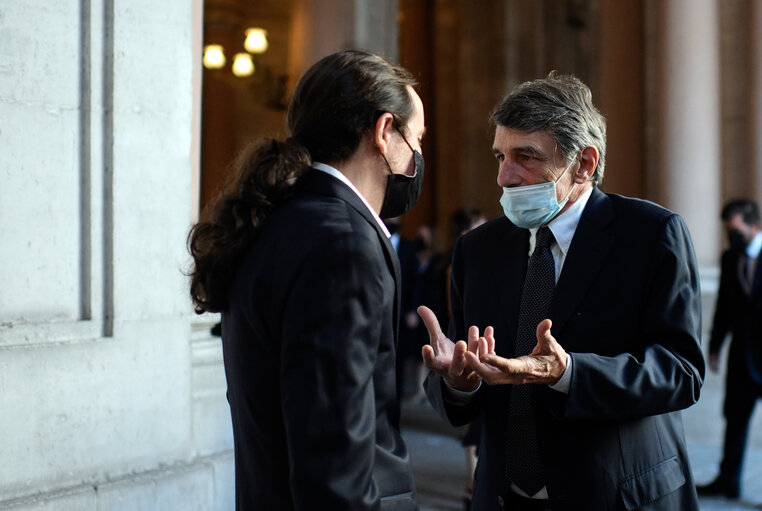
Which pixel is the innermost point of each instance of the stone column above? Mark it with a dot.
(621, 95)
(321, 27)
(198, 44)
(755, 100)
(687, 139)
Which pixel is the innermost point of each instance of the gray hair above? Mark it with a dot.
(561, 105)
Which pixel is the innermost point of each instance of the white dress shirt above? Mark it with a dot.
(754, 247)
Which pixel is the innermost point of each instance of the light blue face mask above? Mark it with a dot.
(534, 205)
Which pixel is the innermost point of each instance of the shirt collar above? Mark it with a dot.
(754, 247)
(341, 177)
(564, 225)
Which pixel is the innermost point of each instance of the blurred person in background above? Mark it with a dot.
(426, 288)
(462, 221)
(405, 249)
(738, 312)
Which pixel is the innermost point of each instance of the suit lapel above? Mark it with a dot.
(590, 245)
(322, 183)
(393, 261)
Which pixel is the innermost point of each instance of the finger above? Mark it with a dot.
(505, 365)
(431, 322)
(429, 358)
(485, 371)
(544, 337)
(543, 328)
(482, 347)
(473, 339)
(458, 363)
(473, 361)
(489, 335)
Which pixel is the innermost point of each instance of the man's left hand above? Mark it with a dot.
(546, 364)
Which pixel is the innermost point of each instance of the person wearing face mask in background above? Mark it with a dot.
(575, 328)
(295, 256)
(738, 311)
(405, 249)
(425, 287)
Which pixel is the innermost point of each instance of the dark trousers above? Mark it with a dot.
(741, 396)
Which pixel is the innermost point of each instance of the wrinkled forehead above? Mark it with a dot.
(509, 139)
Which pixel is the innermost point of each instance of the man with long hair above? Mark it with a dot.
(296, 258)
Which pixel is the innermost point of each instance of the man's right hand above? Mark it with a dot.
(447, 359)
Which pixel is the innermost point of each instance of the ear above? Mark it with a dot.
(382, 132)
(588, 162)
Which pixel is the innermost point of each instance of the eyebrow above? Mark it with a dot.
(534, 151)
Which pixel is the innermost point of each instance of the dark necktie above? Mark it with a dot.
(524, 464)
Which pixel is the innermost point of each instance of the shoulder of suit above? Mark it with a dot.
(643, 210)
(498, 228)
(490, 227)
(310, 217)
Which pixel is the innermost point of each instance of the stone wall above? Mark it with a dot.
(109, 398)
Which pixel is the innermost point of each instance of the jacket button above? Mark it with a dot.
(500, 500)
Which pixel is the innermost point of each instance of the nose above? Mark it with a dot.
(508, 174)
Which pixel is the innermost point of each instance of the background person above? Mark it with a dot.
(405, 249)
(462, 221)
(738, 311)
(425, 289)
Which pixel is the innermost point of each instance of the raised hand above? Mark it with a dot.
(446, 358)
(546, 363)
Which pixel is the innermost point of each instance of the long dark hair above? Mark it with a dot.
(335, 103)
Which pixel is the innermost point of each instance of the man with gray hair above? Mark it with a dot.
(577, 319)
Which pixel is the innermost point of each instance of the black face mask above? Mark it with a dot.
(737, 240)
(402, 191)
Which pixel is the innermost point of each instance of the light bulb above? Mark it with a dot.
(214, 56)
(243, 65)
(256, 40)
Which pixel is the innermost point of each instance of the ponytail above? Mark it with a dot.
(264, 176)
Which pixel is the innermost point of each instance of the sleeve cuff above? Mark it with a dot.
(564, 384)
(459, 397)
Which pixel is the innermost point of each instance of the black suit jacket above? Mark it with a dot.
(627, 309)
(309, 350)
(739, 313)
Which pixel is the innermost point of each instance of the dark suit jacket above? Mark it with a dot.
(627, 309)
(741, 314)
(309, 349)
